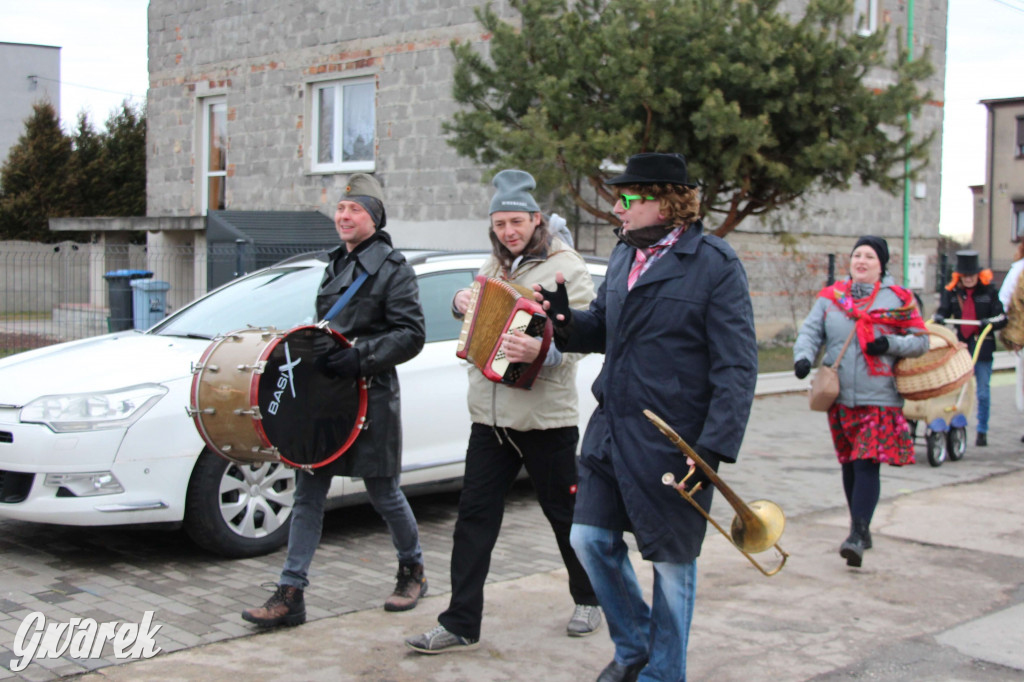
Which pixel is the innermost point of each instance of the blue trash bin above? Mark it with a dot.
(149, 302)
(119, 294)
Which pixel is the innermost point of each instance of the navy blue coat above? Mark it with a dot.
(681, 343)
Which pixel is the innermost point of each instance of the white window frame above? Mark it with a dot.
(207, 104)
(868, 9)
(316, 166)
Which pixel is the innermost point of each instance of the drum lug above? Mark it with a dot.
(258, 368)
(193, 411)
(198, 367)
(254, 412)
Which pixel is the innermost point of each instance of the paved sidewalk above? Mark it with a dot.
(940, 597)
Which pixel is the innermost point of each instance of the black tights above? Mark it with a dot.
(862, 485)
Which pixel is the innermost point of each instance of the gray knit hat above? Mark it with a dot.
(513, 192)
(365, 191)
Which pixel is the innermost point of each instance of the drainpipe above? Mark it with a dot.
(906, 162)
(991, 176)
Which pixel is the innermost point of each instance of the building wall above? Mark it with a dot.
(1004, 185)
(20, 90)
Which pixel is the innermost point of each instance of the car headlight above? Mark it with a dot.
(93, 411)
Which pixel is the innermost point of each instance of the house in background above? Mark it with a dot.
(270, 107)
(999, 203)
(30, 74)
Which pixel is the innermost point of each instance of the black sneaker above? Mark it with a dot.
(982, 440)
(440, 640)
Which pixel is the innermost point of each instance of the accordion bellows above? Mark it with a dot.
(496, 308)
(945, 367)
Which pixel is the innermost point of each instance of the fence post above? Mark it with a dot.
(239, 262)
(831, 269)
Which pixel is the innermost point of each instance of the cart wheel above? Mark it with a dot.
(936, 443)
(957, 440)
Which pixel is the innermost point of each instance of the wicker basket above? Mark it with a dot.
(943, 369)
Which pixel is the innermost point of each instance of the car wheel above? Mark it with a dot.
(239, 510)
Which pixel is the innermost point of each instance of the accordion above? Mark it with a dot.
(495, 309)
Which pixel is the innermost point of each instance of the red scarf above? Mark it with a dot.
(905, 317)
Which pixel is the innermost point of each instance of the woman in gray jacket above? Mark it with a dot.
(866, 420)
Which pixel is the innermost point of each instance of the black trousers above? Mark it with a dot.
(494, 458)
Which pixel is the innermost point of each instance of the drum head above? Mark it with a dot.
(309, 414)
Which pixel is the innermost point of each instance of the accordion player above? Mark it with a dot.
(496, 308)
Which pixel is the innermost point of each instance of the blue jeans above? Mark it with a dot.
(308, 522)
(659, 632)
(983, 377)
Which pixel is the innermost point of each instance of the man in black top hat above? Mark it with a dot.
(970, 296)
(675, 322)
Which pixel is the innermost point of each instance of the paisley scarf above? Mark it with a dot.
(906, 317)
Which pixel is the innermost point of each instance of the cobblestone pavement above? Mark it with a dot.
(117, 574)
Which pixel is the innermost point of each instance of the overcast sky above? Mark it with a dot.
(103, 61)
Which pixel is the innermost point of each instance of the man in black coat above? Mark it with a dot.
(675, 322)
(971, 296)
(384, 322)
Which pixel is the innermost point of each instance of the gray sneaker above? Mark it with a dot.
(439, 641)
(586, 620)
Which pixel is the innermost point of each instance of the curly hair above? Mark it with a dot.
(537, 245)
(680, 205)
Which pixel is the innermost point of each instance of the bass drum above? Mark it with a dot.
(263, 395)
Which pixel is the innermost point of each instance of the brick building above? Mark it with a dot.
(268, 106)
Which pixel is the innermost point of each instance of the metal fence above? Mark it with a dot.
(60, 292)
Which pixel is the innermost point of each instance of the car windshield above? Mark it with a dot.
(282, 297)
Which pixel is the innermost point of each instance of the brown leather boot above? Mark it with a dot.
(285, 607)
(410, 586)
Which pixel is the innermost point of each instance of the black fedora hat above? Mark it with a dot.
(967, 263)
(654, 168)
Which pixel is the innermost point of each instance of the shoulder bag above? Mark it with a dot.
(825, 384)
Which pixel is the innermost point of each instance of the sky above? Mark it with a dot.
(104, 61)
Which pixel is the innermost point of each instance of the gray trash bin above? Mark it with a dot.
(119, 295)
(149, 302)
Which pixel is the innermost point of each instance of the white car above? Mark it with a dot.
(96, 432)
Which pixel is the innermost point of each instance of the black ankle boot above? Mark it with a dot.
(853, 547)
(285, 607)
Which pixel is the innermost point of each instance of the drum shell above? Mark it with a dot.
(245, 377)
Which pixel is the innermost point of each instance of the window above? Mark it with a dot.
(344, 125)
(215, 153)
(1017, 233)
(436, 293)
(865, 16)
(1020, 136)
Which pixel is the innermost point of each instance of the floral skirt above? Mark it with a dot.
(870, 432)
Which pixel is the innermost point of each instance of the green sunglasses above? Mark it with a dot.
(626, 198)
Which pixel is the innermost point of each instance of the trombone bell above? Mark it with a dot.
(755, 528)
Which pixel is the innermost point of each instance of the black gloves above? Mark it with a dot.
(801, 368)
(558, 300)
(698, 474)
(343, 362)
(878, 346)
(938, 319)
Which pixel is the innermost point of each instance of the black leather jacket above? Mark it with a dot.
(384, 321)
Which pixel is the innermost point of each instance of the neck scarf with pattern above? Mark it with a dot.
(906, 317)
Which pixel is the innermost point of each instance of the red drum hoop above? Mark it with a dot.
(263, 395)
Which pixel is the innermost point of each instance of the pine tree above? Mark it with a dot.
(33, 179)
(85, 173)
(124, 162)
(766, 107)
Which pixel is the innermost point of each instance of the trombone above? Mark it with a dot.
(756, 526)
